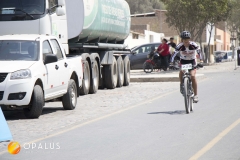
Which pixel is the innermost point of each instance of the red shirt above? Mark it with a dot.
(166, 49)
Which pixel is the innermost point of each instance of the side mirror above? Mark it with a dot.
(50, 58)
(134, 52)
(61, 2)
(60, 11)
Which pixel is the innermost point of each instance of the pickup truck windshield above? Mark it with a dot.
(34, 7)
(18, 50)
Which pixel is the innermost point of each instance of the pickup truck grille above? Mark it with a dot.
(3, 76)
(1, 95)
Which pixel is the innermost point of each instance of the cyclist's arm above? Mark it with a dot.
(198, 50)
(174, 55)
(200, 54)
(177, 50)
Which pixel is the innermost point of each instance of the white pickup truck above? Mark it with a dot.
(34, 69)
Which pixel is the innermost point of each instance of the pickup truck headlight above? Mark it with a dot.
(21, 74)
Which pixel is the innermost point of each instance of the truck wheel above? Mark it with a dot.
(94, 79)
(111, 75)
(84, 90)
(35, 109)
(126, 71)
(69, 100)
(120, 67)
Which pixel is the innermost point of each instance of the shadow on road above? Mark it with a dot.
(18, 114)
(170, 112)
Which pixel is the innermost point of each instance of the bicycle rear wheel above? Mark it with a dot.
(147, 67)
(186, 95)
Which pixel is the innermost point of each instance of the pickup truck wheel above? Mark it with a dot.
(35, 109)
(126, 71)
(94, 79)
(111, 75)
(120, 66)
(69, 100)
(84, 90)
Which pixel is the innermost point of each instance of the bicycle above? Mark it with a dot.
(187, 86)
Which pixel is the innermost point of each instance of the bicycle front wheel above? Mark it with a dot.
(147, 67)
(191, 104)
(186, 95)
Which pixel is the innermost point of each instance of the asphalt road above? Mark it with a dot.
(157, 129)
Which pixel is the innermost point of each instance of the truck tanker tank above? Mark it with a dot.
(106, 21)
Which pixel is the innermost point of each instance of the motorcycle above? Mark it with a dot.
(153, 62)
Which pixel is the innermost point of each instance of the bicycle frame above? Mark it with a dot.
(187, 88)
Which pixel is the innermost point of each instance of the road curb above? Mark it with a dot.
(160, 79)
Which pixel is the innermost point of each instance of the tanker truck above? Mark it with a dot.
(94, 29)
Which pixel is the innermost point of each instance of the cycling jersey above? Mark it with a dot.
(187, 53)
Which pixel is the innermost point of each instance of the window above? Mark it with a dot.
(140, 50)
(135, 36)
(156, 46)
(57, 49)
(46, 49)
(18, 50)
(52, 3)
(29, 6)
(143, 49)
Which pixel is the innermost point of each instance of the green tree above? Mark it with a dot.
(195, 14)
(233, 21)
(143, 6)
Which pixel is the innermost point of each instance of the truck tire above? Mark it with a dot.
(102, 79)
(37, 103)
(126, 71)
(120, 66)
(69, 100)
(94, 83)
(84, 90)
(111, 75)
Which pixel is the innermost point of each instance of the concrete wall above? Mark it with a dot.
(130, 42)
(157, 23)
(219, 40)
(147, 37)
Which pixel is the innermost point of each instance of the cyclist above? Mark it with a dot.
(188, 51)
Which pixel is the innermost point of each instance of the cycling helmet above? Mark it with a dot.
(185, 35)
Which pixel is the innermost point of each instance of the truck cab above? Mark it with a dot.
(34, 17)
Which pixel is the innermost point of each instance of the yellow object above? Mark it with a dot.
(14, 147)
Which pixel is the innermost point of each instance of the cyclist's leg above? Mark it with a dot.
(194, 81)
(181, 77)
(193, 77)
(180, 72)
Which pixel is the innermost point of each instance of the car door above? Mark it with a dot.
(62, 64)
(135, 59)
(141, 56)
(52, 72)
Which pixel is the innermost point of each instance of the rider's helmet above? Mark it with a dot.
(185, 35)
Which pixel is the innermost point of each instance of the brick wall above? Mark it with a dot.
(157, 23)
(164, 26)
